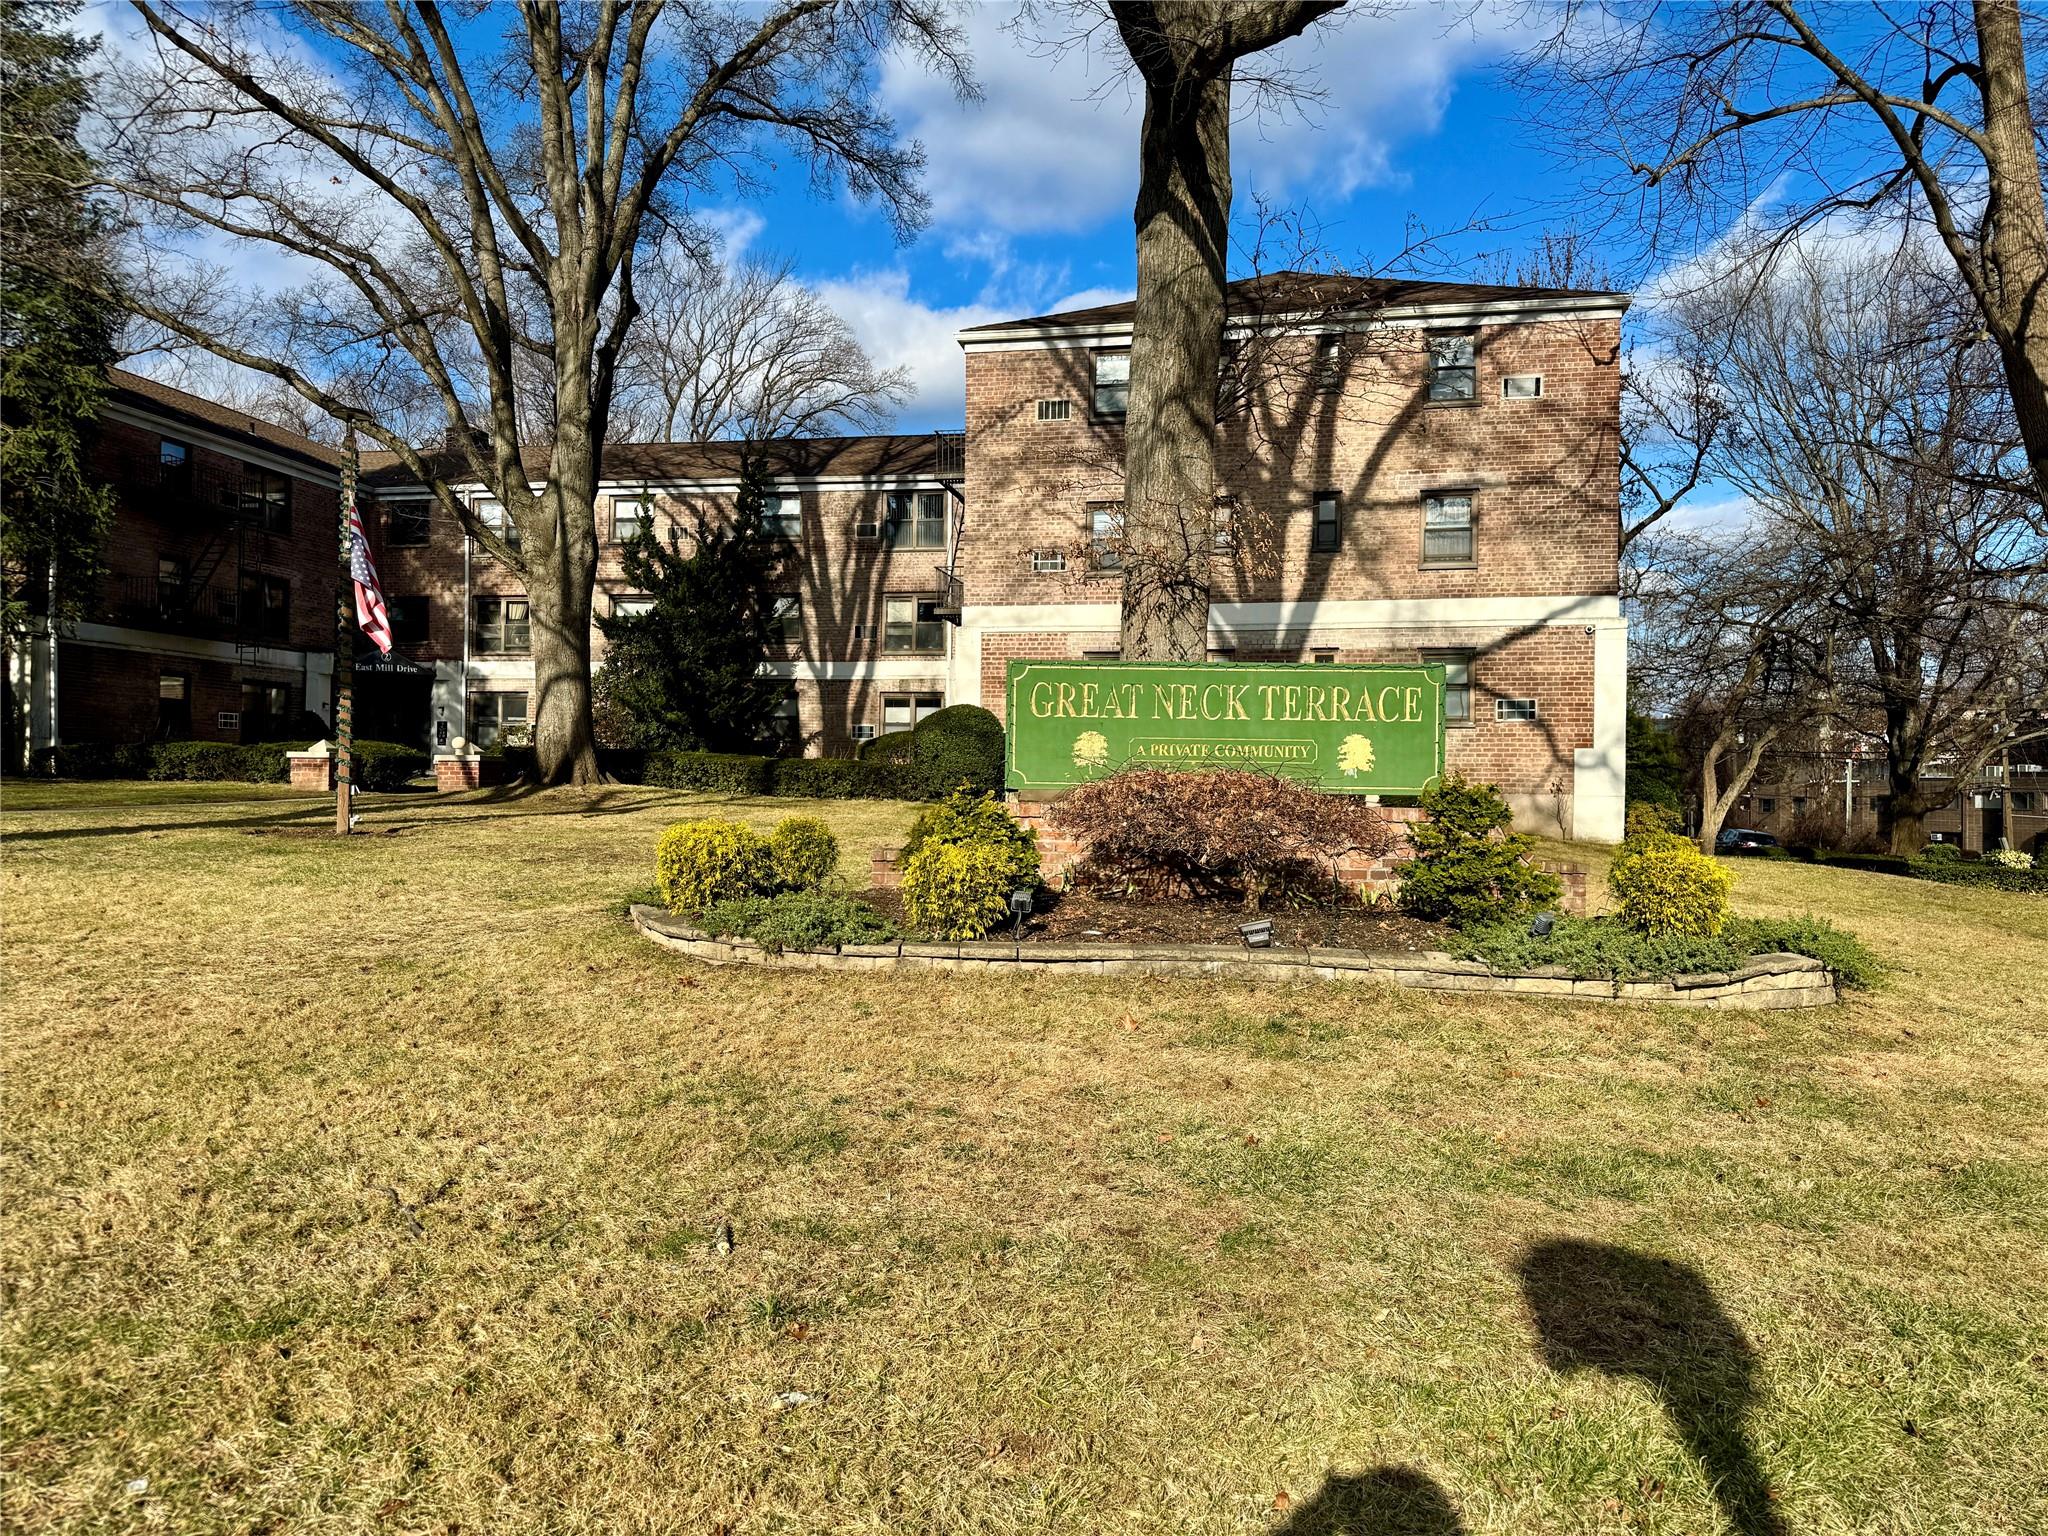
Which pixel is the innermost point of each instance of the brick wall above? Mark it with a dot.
(1543, 473)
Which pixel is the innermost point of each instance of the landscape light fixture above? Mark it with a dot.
(1540, 929)
(1257, 935)
(1020, 908)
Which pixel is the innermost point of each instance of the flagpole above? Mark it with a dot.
(344, 646)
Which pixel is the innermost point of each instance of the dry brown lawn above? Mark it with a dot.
(374, 1186)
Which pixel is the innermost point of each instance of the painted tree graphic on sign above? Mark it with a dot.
(1354, 756)
(1091, 750)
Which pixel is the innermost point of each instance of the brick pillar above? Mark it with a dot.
(312, 769)
(457, 766)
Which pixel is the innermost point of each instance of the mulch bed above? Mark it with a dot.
(1082, 917)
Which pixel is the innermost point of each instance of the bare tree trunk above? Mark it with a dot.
(1715, 802)
(2016, 218)
(559, 593)
(1183, 219)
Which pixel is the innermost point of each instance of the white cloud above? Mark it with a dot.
(1052, 146)
(899, 331)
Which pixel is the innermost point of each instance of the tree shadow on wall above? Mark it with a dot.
(1387, 1501)
(1601, 1308)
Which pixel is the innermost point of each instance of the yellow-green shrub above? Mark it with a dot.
(805, 852)
(958, 890)
(1665, 886)
(699, 862)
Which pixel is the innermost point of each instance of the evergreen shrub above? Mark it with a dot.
(1468, 867)
(697, 863)
(1664, 886)
(804, 851)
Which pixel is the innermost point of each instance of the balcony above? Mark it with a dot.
(950, 463)
(948, 596)
(145, 602)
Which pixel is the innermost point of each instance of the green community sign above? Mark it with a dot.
(1363, 730)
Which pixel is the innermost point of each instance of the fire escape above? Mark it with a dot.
(176, 598)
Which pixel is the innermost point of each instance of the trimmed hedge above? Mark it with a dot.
(890, 747)
(962, 744)
(726, 773)
(815, 778)
(222, 761)
(94, 760)
(376, 765)
(841, 778)
(2033, 882)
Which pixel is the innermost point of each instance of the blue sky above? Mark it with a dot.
(1032, 185)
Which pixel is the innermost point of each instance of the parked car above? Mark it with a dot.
(1743, 840)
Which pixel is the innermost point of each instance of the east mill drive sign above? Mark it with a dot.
(1366, 730)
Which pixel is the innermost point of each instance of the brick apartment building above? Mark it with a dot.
(2005, 799)
(216, 617)
(1419, 470)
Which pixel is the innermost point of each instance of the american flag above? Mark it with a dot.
(370, 614)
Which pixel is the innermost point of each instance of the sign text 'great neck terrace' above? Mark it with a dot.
(1366, 730)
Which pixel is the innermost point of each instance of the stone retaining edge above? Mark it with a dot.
(1768, 981)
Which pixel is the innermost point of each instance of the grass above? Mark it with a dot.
(377, 1186)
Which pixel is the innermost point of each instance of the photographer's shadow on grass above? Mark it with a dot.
(1597, 1307)
(1387, 1501)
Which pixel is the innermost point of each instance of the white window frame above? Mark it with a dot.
(1438, 508)
(1453, 367)
(1110, 371)
(642, 516)
(913, 523)
(782, 515)
(631, 605)
(1463, 660)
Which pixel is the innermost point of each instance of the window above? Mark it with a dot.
(1055, 410)
(408, 620)
(917, 519)
(631, 605)
(411, 522)
(172, 461)
(901, 711)
(1768, 805)
(1798, 804)
(785, 619)
(1447, 530)
(1323, 656)
(1457, 667)
(1223, 653)
(629, 518)
(267, 500)
(2023, 800)
(863, 731)
(1105, 533)
(263, 710)
(782, 517)
(1048, 562)
(1223, 526)
(491, 514)
(173, 706)
(1326, 534)
(266, 611)
(1452, 374)
(504, 625)
(1112, 385)
(912, 624)
(1514, 709)
(1329, 361)
(493, 715)
(170, 584)
(1521, 386)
